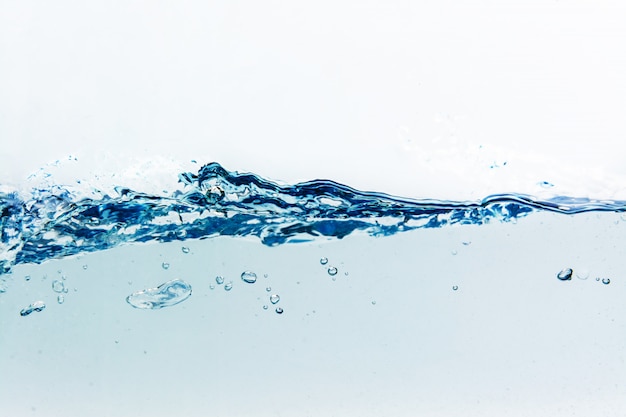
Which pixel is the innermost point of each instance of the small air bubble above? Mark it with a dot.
(279, 310)
(466, 242)
(165, 265)
(454, 252)
(606, 281)
(185, 249)
(265, 307)
(27, 277)
(219, 279)
(597, 279)
(228, 286)
(346, 273)
(565, 274)
(58, 286)
(324, 261)
(274, 298)
(373, 302)
(37, 306)
(85, 267)
(249, 277)
(455, 287)
(582, 274)
(546, 184)
(265, 275)
(60, 299)
(268, 289)
(211, 286)
(332, 271)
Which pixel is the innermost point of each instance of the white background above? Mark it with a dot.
(412, 98)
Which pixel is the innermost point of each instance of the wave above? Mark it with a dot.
(58, 221)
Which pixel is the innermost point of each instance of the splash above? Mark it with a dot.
(59, 221)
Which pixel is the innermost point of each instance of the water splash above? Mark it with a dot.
(59, 221)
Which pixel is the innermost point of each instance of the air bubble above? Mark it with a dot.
(546, 184)
(85, 267)
(219, 279)
(332, 271)
(165, 265)
(58, 286)
(324, 261)
(165, 295)
(279, 310)
(35, 307)
(373, 302)
(455, 287)
(249, 277)
(274, 298)
(606, 281)
(454, 252)
(228, 286)
(268, 289)
(265, 307)
(60, 299)
(212, 286)
(185, 249)
(565, 274)
(597, 279)
(582, 274)
(27, 277)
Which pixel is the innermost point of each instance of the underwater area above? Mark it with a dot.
(240, 296)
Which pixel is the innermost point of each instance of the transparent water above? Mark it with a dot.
(310, 299)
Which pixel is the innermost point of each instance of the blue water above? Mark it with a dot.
(228, 294)
(59, 221)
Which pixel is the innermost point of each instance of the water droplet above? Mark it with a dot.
(249, 277)
(85, 267)
(165, 295)
(228, 286)
(165, 265)
(268, 289)
(606, 281)
(185, 249)
(60, 299)
(219, 279)
(27, 277)
(58, 286)
(265, 307)
(279, 310)
(332, 271)
(455, 287)
(565, 274)
(274, 298)
(324, 261)
(37, 306)
(582, 274)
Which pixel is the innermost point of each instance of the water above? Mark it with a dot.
(411, 330)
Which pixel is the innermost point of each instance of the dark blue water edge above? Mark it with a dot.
(59, 221)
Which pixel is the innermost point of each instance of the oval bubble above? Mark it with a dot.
(165, 295)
